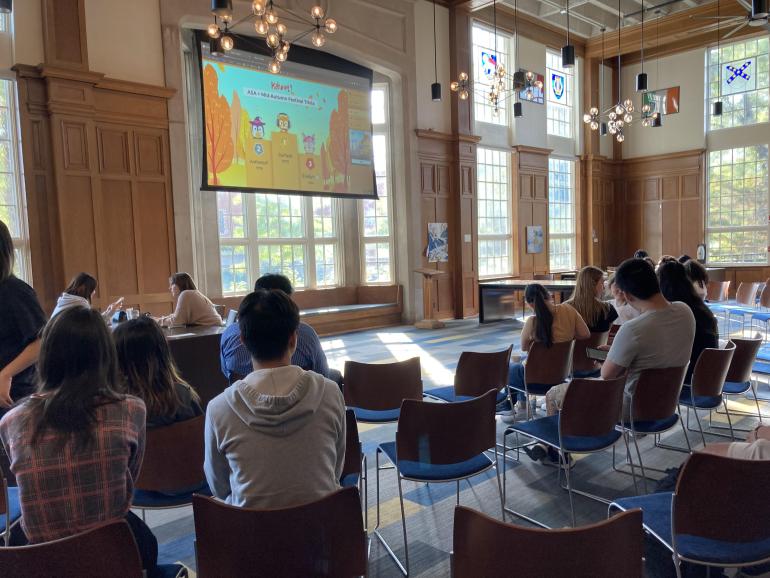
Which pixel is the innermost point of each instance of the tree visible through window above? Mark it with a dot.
(494, 216)
(561, 215)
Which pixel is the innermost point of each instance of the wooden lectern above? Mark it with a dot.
(427, 300)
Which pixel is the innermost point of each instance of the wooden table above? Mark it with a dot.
(196, 353)
(497, 299)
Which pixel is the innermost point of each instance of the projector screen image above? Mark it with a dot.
(307, 130)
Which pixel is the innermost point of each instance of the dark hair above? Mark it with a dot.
(272, 281)
(148, 369)
(641, 254)
(267, 321)
(675, 285)
(684, 258)
(537, 295)
(77, 371)
(6, 253)
(667, 259)
(183, 281)
(82, 285)
(650, 262)
(636, 277)
(696, 272)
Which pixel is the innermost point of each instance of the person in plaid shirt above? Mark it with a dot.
(76, 445)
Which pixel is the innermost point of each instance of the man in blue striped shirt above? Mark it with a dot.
(309, 355)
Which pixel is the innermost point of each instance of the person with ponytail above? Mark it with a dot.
(550, 324)
(76, 445)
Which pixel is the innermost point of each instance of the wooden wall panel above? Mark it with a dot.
(119, 273)
(529, 169)
(152, 221)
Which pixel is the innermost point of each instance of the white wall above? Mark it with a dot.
(605, 142)
(432, 115)
(28, 34)
(682, 131)
(530, 129)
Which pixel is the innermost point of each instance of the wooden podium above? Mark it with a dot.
(427, 300)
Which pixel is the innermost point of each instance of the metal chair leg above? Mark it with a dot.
(729, 419)
(641, 464)
(563, 460)
(499, 486)
(458, 493)
(403, 525)
(700, 426)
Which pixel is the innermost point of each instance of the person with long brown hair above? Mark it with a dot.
(192, 306)
(79, 293)
(21, 319)
(587, 300)
(150, 374)
(76, 445)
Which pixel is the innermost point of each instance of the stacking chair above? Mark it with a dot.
(354, 467)
(613, 332)
(232, 314)
(107, 550)
(697, 522)
(738, 380)
(653, 409)
(716, 291)
(375, 390)
(475, 375)
(745, 304)
(545, 367)
(586, 424)
(582, 365)
(483, 547)
(439, 442)
(763, 316)
(10, 509)
(708, 379)
(172, 468)
(322, 538)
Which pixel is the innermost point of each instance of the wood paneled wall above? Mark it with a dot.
(530, 207)
(599, 222)
(448, 195)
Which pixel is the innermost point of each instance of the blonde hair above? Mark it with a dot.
(584, 298)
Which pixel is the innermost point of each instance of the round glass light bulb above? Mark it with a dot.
(619, 110)
(594, 111)
(463, 76)
(530, 94)
(274, 66)
(281, 56)
(227, 42)
(318, 39)
(539, 84)
(646, 108)
(620, 137)
(613, 115)
(454, 85)
(261, 27)
(258, 7)
(594, 125)
(627, 103)
(271, 16)
(330, 25)
(317, 12)
(463, 95)
(213, 31)
(628, 118)
(530, 75)
(613, 129)
(273, 40)
(285, 46)
(620, 123)
(586, 118)
(281, 28)
(226, 18)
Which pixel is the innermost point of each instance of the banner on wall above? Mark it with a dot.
(738, 76)
(488, 63)
(558, 83)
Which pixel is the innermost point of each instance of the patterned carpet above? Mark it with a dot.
(531, 487)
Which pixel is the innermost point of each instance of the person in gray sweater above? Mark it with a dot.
(275, 439)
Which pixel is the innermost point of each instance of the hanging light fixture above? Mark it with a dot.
(268, 25)
(717, 108)
(435, 88)
(518, 110)
(568, 50)
(641, 78)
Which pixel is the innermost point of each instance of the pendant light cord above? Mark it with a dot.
(601, 76)
(619, 65)
(516, 30)
(567, 22)
(642, 35)
(435, 56)
(719, 57)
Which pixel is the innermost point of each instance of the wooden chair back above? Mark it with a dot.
(107, 550)
(656, 396)
(591, 407)
(717, 290)
(708, 377)
(549, 365)
(700, 506)
(353, 455)
(173, 457)
(446, 433)
(613, 332)
(747, 293)
(743, 359)
(382, 386)
(322, 538)
(580, 359)
(482, 547)
(477, 372)
(764, 295)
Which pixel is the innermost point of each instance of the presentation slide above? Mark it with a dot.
(307, 130)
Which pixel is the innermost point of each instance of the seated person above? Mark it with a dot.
(660, 337)
(76, 445)
(309, 355)
(149, 373)
(79, 293)
(624, 310)
(676, 286)
(756, 446)
(698, 276)
(276, 439)
(192, 306)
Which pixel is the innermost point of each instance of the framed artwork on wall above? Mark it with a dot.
(535, 239)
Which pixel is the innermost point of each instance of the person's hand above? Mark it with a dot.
(603, 347)
(5, 390)
(113, 306)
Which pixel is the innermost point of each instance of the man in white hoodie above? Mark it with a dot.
(276, 439)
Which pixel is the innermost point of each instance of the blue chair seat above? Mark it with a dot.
(349, 481)
(736, 387)
(448, 394)
(656, 513)
(147, 499)
(700, 401)
(546, 429)
(584, 374)
(761, 316)
(653, 426)
(427, 472)
(376, 416)
(14, 508)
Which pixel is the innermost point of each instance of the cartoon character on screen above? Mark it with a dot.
(310, 173)
(283, 122)
(259, 173)
(286, 169)
(308, 141)
(258, 134)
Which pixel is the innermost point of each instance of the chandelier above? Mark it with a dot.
(270, 25)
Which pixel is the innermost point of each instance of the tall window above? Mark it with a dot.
(561, 215)
(376, 226)
(736, 220)
(560, 94)
(12, 210)
(485, 56)
(265, 233)
(744, 81)
(494, 202)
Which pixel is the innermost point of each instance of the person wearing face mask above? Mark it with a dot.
(622, 308)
